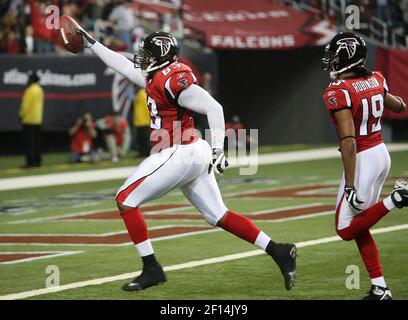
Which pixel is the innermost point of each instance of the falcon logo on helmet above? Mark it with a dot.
(156, 51)
(344, 52)
(164, 43)
(349, 44)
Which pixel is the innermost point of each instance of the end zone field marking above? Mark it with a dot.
(187, 265)
(88, 212)
(48, 255)
(66, 217)
(174, 236)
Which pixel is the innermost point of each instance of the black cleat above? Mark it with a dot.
(400, 194)
(284, 254)
(148, 278)
(378, 293)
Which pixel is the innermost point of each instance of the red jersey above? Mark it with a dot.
(117, 128)
(364, 96)
(170, 123)
(82, 141)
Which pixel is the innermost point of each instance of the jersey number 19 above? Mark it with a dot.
(373, 108)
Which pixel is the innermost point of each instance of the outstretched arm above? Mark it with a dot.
(114, 60)
(119, 63)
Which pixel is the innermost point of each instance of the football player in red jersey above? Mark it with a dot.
(356, 101)
(182, 159)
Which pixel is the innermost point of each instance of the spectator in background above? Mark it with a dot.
(383, 11)
(232, 131)
(114, 44)
(29, 40)
(116, 134)
(92, 11)
(207, 83)
(11, 43)
(237, 137)
(82, 134)
(123, 18)
(138, 35)
(43, 35)
(31, 117)
(141, 121)
(403, 6)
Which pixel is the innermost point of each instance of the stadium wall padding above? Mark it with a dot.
(72, 85)
(279, 92)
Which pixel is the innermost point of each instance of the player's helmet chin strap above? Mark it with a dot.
(151, 67)
(334, 74)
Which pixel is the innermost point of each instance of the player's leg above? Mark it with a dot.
(205, 195)
(370, 180)
(155, 176)
(371, 169)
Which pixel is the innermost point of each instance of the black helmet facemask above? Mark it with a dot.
(155, 54)
(334, 59)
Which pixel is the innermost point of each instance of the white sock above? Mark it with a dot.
(380, 281)
(262, 240)
(389, 204)
(144, 248)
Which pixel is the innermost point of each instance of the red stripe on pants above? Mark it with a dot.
(125, 192)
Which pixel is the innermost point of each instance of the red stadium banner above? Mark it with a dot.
(253, 25)
(393, 64)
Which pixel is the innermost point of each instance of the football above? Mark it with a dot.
(71, 39)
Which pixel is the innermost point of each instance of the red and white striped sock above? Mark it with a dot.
(137, 229)
(244, 228)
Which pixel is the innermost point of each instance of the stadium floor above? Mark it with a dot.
(76, 228)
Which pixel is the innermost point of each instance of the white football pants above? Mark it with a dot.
(181, 166)
(372, 167)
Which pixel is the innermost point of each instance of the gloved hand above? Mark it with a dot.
(351, 197)
(218, 162)
(89, 40)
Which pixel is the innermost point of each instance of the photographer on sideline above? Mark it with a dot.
(116, 133)
(82, 134)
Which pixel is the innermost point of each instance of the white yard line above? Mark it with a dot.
(187, 265)
(50, 254)
(294, 207)
(73, 177)
(305, 216)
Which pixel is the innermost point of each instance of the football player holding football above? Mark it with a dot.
(356, 101)
(182, 159)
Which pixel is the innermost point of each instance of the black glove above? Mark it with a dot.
(218, 162)
(351, 197)
(90, 41)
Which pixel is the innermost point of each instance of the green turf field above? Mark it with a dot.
(40, 224)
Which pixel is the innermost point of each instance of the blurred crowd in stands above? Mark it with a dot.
(393, 12)
(115, 23)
